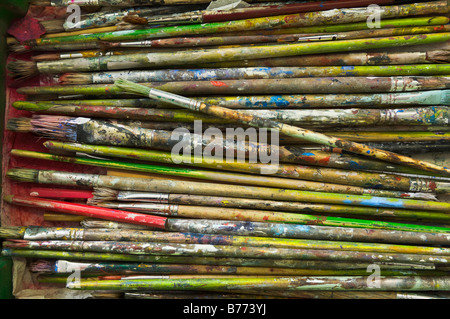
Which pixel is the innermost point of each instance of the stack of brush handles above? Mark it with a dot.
(257, 150)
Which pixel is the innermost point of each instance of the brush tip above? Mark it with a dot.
(22, 175)
(15, 232)
(21, 124)
(20, 69)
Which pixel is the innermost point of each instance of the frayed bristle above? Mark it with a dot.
(53, 26)
(46, 57)
(42, 266)
(18, 48)
(52, 126)
(75, 79)
(15, 232)
(20, 69)
(15, 243)
(23, 174)
(21, 124)
(132, 87)
(102, 195)
(438, 56)
(135, 19)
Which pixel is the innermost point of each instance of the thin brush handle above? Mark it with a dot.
(86, 210)
(289, 130)
(60, 193)
(210, 212)
(409, 283)
(208, 16)
(98, 234)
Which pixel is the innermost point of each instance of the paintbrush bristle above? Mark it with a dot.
(55, 127)
(53, 26)
(132, 87)
(75, 78)
(23, 174)
(17, 48)
(135, 19)
(42, 266)
(15, 232)
(102, 194)
(22, 69)
(439, 56)
(21, 124)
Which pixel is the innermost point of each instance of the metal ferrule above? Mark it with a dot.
(128, 196)
(159, 209)
(137, 44)
(419, 185)
(44, 233)
(183, 18)
(175, 99)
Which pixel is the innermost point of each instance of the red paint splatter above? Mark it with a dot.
(218, 83)
(26, 28)
(324, 160)
(432, 185)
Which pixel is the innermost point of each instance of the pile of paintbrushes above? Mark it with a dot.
(336, 166)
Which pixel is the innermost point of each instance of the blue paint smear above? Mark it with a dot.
(307, 154)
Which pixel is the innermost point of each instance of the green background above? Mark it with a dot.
(9, 10)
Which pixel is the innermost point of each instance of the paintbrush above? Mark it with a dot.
(418, 98)
(421, 116)
(218, 176)
(23, 69)
(410, 283)
(206, 250)
(108, 268)
(214, 74)
(282, 128)
(85, 130)
(211, 189)
(32, 233)
(363, 179)
(246, 262)
(315, 85)
(340, 59)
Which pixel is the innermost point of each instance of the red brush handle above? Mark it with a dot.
(89, 211)
(60, 193)
(292, 8)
